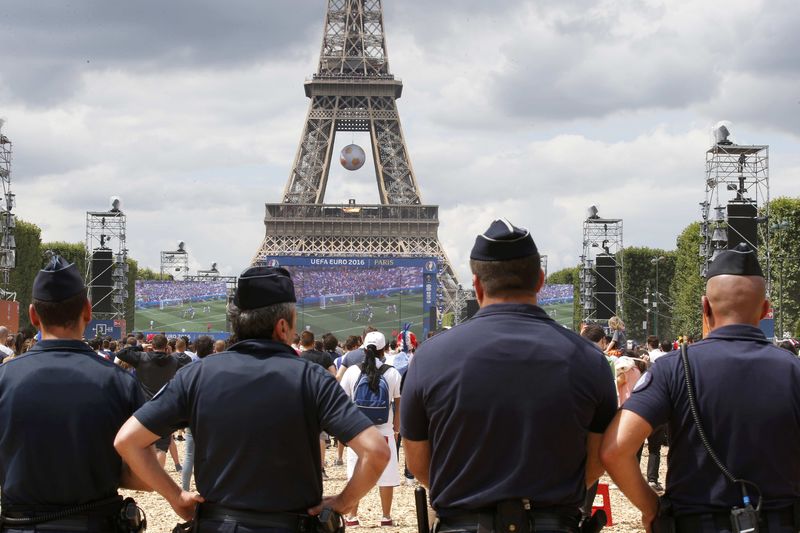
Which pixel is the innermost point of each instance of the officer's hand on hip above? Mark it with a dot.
(185, 504)
(336, 503)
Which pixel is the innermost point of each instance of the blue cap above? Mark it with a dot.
(261, 286)
(503, 241)
(57, 281)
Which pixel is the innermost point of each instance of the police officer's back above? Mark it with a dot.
(747, 394)
(256, 412)
(60, 407)
(499, 410)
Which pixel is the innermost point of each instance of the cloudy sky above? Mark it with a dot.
(191, 111)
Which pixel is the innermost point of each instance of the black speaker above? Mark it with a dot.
(742, 225)
(101, 282)
(472, 308)
(605, 288)
(434, 320)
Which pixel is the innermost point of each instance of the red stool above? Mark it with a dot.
(602, 490)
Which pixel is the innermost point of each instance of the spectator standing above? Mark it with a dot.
(374, 347)
(5, 351)
(153, 370)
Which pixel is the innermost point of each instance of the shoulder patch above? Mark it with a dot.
(643, 382)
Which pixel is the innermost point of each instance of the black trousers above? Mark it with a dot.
(655, 441)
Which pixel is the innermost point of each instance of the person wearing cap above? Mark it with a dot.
(255, 411)
(502, 416)
(753, 432)
(374, 348)
(60, 408)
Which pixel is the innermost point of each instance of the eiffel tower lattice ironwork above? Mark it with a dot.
(353, 90)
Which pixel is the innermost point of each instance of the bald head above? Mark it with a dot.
(733, 299)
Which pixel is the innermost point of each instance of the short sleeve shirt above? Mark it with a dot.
(393, 378)
(748, 397)
(256, 412)
(60, 408)
(507, 401)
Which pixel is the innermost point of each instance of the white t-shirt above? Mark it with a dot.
(6, 351)
(350, 380)
(655, 354)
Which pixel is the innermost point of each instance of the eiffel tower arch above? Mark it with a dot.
(354, 91)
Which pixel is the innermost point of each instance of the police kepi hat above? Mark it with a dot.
(57, 281)
(503, 241)
(739, 261)
(261, 286)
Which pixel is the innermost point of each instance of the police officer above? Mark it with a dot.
(747, 397)
(60, 407)
(256, 412)
(502, 416)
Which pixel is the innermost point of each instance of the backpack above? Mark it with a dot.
(375, 405)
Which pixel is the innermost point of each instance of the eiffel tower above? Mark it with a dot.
(354, 91)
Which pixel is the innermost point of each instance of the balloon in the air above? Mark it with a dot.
(352, 157)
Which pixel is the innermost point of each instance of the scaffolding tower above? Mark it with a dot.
(106, 263)
(737, 179)
(8, 245)
(600, 295)
(175, 262)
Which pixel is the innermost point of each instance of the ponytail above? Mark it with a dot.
(371, 367)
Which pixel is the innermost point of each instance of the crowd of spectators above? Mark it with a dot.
(315, 282)
(154, 292)
(556, 293)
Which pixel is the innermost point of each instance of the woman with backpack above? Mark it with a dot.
(375, 388)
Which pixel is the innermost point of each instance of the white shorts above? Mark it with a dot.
(391, 474)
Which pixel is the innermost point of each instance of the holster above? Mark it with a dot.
(511, 516)
(665, 519)
(130, 519)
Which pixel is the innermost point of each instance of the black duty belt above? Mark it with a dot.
(290, 521)
(484, 522)
(74, 523)
(721, 521)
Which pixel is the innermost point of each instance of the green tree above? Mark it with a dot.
(570, 276)
(785, 264)
(29, 261)
(639, 284)
(147, 274)
(74, 252)
(688, 286)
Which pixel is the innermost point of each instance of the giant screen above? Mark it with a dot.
(343, 295)
(180, 306)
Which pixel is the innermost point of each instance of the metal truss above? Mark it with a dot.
(735, 174)
(378, 115)
(354, 43)
(353, 90)
(105, 231)
(175, 263)
(8, 246)
(600, 236)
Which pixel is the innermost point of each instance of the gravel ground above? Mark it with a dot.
(161, 518)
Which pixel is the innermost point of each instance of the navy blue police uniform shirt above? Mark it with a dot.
(256, 412)
(61, 406)
(748, 397)
(507, 400)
